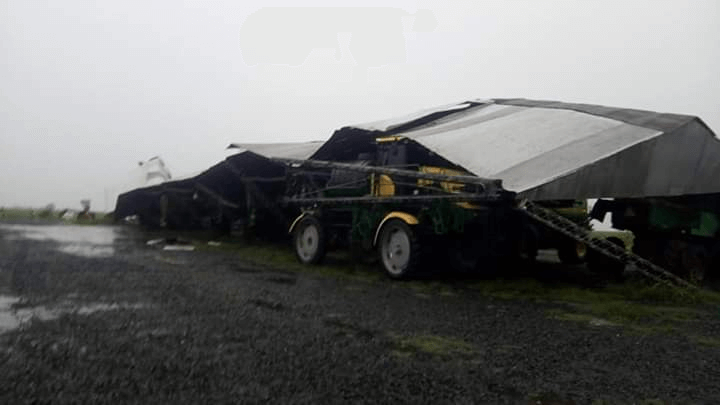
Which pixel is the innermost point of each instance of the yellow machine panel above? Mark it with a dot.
(450, 187)
(382, 186)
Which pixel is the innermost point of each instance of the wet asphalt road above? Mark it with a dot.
(93, 314)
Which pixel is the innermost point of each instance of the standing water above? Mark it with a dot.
(85, 241)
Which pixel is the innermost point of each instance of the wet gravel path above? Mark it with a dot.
(138, 324)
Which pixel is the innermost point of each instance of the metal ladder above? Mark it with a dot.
(569, 228)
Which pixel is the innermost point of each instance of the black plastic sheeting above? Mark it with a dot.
(241, 186)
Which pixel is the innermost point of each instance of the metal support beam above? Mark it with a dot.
(217, 196)
(253, 193)
(578, 233)
(489, 186)
(390, 199)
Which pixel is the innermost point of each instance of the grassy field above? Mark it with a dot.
(635, 305)
(341, 264)
(45, 215)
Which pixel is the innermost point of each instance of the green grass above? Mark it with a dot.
(629, 291)
(639, 320)
(18, 213)
(336, 264)
(707, 341)
(431, 344)
(629, 301)
(100, 219)
(643, 318)
(637, 306)
(570, 316)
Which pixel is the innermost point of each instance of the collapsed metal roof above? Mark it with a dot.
(546, 150)
(224, 183)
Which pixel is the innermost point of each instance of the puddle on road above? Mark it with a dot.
(85, 241)
(11, 318)
(97, 307)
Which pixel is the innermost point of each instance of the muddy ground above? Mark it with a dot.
(94, 314)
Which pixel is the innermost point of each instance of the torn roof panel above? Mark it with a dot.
(296, 150)
(593, 151)
(392, 123)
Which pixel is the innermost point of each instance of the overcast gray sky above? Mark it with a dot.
(89, 88)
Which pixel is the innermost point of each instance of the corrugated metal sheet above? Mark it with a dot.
(392, 123)
(298, 150)
(550, 150)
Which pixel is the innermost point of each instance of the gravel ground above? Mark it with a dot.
(101, 317)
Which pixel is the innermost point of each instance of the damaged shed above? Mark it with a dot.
(240, 191)
(660, 173)
(546, 150)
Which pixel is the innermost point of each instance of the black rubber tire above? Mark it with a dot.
(601, 264)
(569, 254)
(303, 235)
(461, 254)
(696, 260)
(409, 241)
(529, 242)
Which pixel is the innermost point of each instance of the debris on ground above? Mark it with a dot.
(172, 244)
